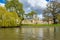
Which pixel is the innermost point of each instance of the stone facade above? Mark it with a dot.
(36, 22)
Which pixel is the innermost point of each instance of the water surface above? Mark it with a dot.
(30, 33)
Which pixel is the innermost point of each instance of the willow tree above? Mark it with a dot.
(8, 18)
(15, 6)
(52, 11)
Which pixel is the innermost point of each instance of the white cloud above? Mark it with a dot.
(38, 3)
(32, 2)
(27, 10)
(2, 4)
(40, 16)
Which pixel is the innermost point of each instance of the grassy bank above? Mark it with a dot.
(32, 25)
(39, 25)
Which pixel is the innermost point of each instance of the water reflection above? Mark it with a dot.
(42, 33)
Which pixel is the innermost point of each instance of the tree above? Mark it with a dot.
(15, 6)
(52, 11)
(58, 17)
(32, 14)
(47, 16)
(8, 18)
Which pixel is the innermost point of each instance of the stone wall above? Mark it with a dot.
(35, 22)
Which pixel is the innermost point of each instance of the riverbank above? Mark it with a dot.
(10, 26)
(39, 25)
(32, 25)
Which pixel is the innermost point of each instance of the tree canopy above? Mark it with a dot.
(15, 6)
(52, 11)
(8, 18)
(31, 14)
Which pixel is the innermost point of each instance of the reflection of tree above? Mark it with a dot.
(54, 32)
(48, 32)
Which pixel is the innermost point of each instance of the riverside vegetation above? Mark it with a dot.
(12, 14)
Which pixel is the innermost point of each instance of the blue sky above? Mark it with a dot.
(2, 1)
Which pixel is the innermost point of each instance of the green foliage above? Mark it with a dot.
(58, 17)
(31, 14)
(15, 6)
(8, 18)
(40, 25)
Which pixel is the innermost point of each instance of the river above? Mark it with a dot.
(30, 33)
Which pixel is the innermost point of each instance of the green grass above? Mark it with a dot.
(39, 25)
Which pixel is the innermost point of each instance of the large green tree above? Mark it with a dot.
(8, 18)
(52, 11)
(15, 6)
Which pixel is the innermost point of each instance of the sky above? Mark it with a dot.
(29, 5)
(36, 5)
(2, 1)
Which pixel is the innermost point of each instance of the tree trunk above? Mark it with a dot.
(54, 21)
(21, 21)
(48, 20)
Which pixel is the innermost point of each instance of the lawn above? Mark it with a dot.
(39, 25)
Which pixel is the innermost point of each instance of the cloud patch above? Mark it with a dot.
(37, 5)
